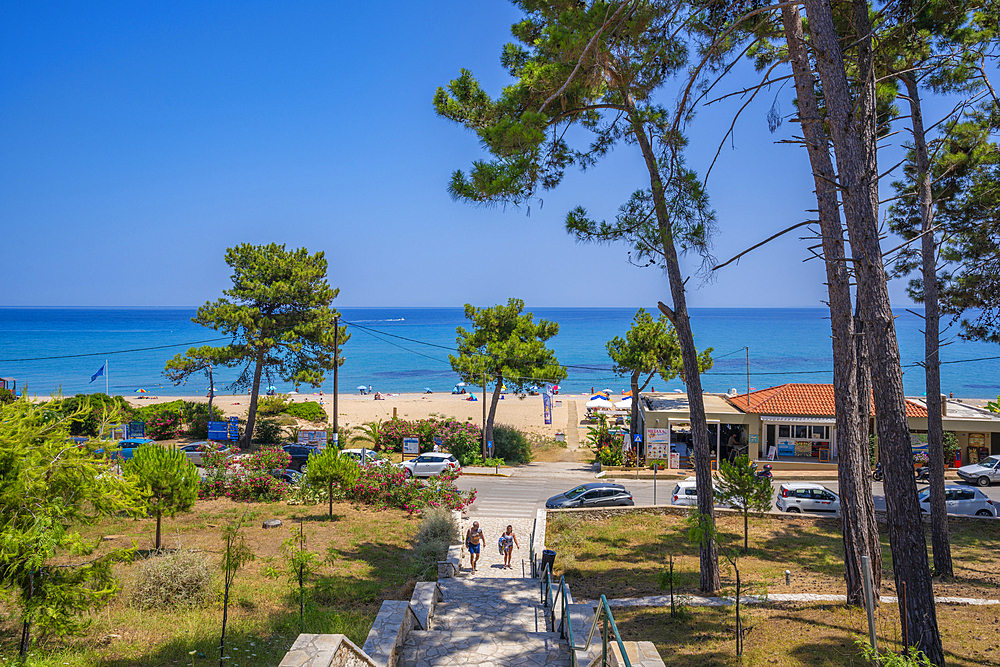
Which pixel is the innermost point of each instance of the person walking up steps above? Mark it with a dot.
(474, 539)
(507, 542)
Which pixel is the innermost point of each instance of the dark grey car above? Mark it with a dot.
(594, 494)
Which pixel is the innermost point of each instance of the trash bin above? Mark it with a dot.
(548, 560)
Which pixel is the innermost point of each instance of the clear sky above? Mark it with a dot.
(139, 140)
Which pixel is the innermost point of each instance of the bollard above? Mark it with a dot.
(866, 580)
(788, 577)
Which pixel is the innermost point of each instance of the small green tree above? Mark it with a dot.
(195, 360)
(49, 487)
(368, 432)
(505, 346)
(328, 468)
(740, 487)
(235, 554)
(166, 480)
(649, 347)
(279, 315)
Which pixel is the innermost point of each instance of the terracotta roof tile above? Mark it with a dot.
(810, 400)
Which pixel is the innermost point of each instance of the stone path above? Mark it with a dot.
(491, 560)
(487, 621)
(700, 601)
(572, 427)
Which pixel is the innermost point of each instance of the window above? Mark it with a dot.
(802, 493)
(820, 432)
(801, 432)
(964, 494)
(608, 493)
(591, 495)
(819, 494)
(784, 431)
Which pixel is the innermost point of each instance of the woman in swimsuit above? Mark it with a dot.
(507, 542)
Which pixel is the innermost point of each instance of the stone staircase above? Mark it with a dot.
(490, 621)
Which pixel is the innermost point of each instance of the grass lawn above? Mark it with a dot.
(622, 557)
(364, 557)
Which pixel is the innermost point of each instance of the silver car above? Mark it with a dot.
(807, 497)
(961, 500)
(983, 473)
(430, 463)
(195, 450)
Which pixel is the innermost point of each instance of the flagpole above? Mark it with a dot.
(107, 383)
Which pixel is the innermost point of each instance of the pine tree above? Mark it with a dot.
(166, 480)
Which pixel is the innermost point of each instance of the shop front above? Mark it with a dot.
(667, 434)
(804, 439)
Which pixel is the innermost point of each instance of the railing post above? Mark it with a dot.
(604, 641)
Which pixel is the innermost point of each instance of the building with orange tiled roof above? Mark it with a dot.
(795, 423)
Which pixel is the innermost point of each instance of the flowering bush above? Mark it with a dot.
(164, 426)
(245, 479)
(458, 437)
(388, 486)
(920, 457)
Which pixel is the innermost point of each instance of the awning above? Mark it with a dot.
(786, 419)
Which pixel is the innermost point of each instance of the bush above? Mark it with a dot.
(179, 579)
(310, 411)
(387, 486)
(267, 430)
(269, 406)
(146, 412)
(95, 407)
(164, 426)
(247, 479)
(7, 396)
(437, 532)
(510, 444)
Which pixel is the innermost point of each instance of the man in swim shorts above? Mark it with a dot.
(474, 539)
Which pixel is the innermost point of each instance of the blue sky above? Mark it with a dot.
(139, 140)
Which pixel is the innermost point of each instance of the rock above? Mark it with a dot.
(272, 523)
(111, 538)
(107, 639)
(212, 525)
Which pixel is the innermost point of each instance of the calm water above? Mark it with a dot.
(402, 349)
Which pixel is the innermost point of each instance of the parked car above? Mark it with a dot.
(365, 456)
(127, 447)
(300, 456)
(686, 493)
(195, 450)
(960, 500)
(807, 497)
(288, 476)
(594, 494)
(983, 473)
(430, 463)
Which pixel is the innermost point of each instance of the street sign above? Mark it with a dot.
(136, 429)
(411, 446)
(233, 428)
(312, 437)
(218, 431)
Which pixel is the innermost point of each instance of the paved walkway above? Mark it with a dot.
(700, 601)
(491, 560)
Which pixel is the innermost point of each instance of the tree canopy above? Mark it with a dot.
(195, 360)
(279, 315)
(508, 346)
(167, 482)
(49, 488)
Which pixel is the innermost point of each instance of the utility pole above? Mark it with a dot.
(336, 367)
(748, 376)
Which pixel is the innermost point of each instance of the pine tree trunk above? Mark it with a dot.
(494, 401)
(634, 419)
(860, 530)
(678, 316)
(254, 392)
(940, 541)
(211, 392)
(158, 517)
(854, 140)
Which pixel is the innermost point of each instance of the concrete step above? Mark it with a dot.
(502, 616)
(490, 590)
(501, 649)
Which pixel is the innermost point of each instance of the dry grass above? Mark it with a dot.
(621, 557)
(364, 558)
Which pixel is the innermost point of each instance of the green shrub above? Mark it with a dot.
(310, 410)
(510, 444)
(267, 431)
(437, 532)
(97, 409)
(147, 412)
(269, 406)
(179, 579)
(7, 396)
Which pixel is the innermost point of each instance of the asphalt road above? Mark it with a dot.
(527, 489)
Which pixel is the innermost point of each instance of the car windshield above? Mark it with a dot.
(990, 461)
(578, 491)
(923, 495)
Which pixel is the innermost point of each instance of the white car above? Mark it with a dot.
(686, 493)
(960, 500)
(430, 463)
(365, 456)
(807, 497)
(195, 450)
(983, 473)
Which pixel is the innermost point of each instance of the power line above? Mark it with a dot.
(101, 354)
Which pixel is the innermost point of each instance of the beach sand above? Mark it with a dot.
(525, 414)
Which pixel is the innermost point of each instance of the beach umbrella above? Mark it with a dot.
(599, 402)
(555, 386)
(461, 384)
(624, 403)
(362, 386)
(271, 387)
(141, 391)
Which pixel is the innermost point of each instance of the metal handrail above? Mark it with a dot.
(566, 624)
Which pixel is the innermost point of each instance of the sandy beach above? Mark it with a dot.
(524, 414)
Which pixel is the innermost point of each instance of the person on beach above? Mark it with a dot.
(507, 542)
(474, 539)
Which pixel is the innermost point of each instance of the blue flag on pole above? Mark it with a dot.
(98, 374)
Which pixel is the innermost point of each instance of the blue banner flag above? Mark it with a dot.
(98, 374)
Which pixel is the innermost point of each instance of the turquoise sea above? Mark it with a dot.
(406, 349)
